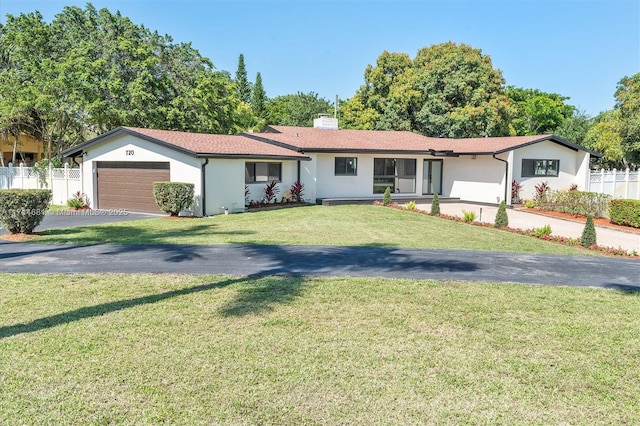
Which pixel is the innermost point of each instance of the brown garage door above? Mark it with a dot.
(129, 185)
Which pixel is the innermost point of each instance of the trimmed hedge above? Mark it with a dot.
(625, 212)
(173, 197)
(21, 210)
(578, 202)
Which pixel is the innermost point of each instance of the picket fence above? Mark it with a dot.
(63, 182)
(616, 183)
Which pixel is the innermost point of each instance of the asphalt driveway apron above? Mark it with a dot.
(265, 260)
(72, 219)
(292, 260)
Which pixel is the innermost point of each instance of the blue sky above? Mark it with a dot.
(577, 48)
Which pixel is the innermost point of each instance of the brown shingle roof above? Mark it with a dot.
(212, 144)
(287, 142)
(315, 139)
(200, 144)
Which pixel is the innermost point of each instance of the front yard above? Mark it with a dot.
(177, 349)
(315, 225)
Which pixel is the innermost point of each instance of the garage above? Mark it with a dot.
(129, 184)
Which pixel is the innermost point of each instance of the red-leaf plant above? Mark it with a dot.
(296, 191)
(270, 191)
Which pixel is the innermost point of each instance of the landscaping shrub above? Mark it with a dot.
(411, 205)
(578, 202)
(625, 212)
(516, 187)
(589, 233)
(296, 191)
(542, 191)
(468, 216)
(502, 220)
(530, 204)
(270, 192)
(542, 231)
(435, 205)
(78, 201)
(173, 197)
(21, 210)
(386, 197)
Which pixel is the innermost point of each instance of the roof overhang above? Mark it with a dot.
(255, 157)
(552, 138)
(79, 149)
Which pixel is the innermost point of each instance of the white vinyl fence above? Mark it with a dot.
(617, 183)
(63, 182)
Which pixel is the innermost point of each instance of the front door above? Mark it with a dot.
(432, 177)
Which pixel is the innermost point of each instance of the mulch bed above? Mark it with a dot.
(18, 237)
(598, 221)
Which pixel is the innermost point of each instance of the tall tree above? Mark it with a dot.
(446, 90)
(575, 127)
(90, 70)
(538, 112)
(604, 137)
(628, 103)
(243, 86)
(259, 98)
(461, 93)
(296, 110)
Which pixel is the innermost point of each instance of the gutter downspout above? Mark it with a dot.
(203, 186)
(506, 175)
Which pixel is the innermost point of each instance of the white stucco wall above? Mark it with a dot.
(479, 180)
(574, 167)
(289, 176)
(183, 167)
(331, 186)
(224, 185)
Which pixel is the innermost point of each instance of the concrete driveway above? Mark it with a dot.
(525, 220)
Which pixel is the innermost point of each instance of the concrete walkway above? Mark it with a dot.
(525, 220)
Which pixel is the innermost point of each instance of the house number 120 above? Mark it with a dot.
(128, 152)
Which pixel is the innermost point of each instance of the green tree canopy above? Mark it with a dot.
(628, 103)
(575, 127)
(90, 70)
(446, 90)
(604, 137)
(538, 112)
(296, 110)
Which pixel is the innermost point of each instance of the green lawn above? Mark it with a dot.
(178, 349)
(340, 225)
